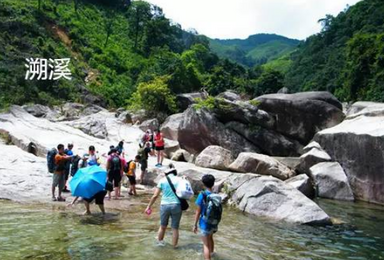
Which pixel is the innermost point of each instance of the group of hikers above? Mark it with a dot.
(63, 163)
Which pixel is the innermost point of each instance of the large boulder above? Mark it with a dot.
(170, 127)
(197, 129)
(214, 157)
(243, 112)
(314, 156)
(170, 147)
(358, 145)
(229, 95)
(267, 196)
(268, 141)
(24, 177)
(151, 124)
(38, 110)
(94, 125)
(194, 176)
(260, 164)
(331, 181)
(303, 184)
(300, 116)
(186, 100)
(182, 155)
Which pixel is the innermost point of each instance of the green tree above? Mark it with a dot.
(154, 96)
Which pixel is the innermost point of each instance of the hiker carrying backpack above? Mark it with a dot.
(115, 163)
(213, 208)
(51, 160)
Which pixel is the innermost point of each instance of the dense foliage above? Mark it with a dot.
(120, 50)
(257, 49)
(346, 58)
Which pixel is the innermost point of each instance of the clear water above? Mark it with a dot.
(54, 232)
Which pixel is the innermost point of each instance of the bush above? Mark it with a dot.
(154, 97)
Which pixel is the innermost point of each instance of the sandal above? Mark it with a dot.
(54, 199)
(60, 199)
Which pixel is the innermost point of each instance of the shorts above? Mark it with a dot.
(58, 180)
(144, 165)
(98, 197)
(159, 148)
(132, 179)
(115, 178)
(173, 211)
(208, 231)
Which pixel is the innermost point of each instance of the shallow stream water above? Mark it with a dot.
(56, 232)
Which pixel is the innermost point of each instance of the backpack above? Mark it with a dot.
(51, 160)
(184, 189)
(142, 153)
(213, 209)
(115, 163)
(126, 167)
(75, 165)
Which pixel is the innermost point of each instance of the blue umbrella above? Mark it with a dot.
(88, 181)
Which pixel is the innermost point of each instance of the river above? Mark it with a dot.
(41, 231)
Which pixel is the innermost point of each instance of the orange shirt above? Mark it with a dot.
(60, 163)
(131, 168)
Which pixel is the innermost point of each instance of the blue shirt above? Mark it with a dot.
(169, 196)
(201, 203)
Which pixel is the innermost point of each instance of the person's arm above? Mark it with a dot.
(197, 217)
(73, 202)
(153, 199)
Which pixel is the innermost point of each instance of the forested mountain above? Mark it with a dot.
(257, 49)
(346, 57)
(127, 53)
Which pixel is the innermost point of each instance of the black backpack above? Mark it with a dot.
(51, 160)
(213, 209)
(75, 165)
(115, 163)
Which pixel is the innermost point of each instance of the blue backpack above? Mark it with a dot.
(213, 209)
(51, 160)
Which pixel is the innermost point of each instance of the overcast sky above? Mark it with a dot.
(226, 19)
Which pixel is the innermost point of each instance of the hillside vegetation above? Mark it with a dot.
(346, 58)
(257, 49)
(121, 51)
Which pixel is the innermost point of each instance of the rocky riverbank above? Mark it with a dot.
(342, 164)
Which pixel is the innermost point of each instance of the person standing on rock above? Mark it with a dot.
(59, 174)
(169, 207)
(159, 147)
(93, 159)
(144, 153)
(68, 152)
(131, 174)
(115, 168)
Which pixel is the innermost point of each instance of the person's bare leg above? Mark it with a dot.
(175, 237)
(134, 190)
(161, 157)
(87, 210)
(53, 191)
(207, 254)
(117, 192)
(212, 249)
(161, 233)
(101, 206)
(109, 195)
(158, 156)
